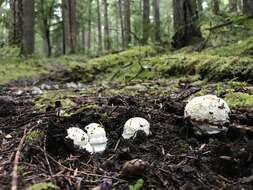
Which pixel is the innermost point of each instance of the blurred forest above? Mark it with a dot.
(93, 27)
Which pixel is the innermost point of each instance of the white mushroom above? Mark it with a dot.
(135, 124)
(208, 114)
(80, 138)
(97, 137)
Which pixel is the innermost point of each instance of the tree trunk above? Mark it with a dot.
(107, 40)
(45, 16)
(89, 27)
(100, 46)
(156, 5)
(145, 21)
(248, 7)
(233, 6)
(27, 47)
(200, 6)
(216, 7)
(83, 40)
(15, 33)
(121, 23)
(127, 23)
(185, 17)
(69, 20)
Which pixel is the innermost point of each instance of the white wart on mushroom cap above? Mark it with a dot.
(135, 124)
(97, 137)
(80, 138)
(207, 114)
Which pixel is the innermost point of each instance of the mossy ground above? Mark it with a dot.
(143, 70)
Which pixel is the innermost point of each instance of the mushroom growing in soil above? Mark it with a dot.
(208, 114)
(135, 124)
(97, 137)
(80, 138)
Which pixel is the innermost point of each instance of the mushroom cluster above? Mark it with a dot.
(94, 141)
(208, 114)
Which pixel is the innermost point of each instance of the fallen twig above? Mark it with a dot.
(14, 181)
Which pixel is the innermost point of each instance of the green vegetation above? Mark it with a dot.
(239, 99)
(138, 185)
(43, 186)
(13, 67)
(34, 137)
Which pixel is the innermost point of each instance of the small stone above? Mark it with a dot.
(36, 91)
(135, 167)
(8, 136)
(45, 87)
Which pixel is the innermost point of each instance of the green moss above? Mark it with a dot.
(43, 186)
(67, 98)
(12, 66)
(34, 137)
(239, 99)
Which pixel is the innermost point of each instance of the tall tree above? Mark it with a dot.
(27, 47)
(45, 13)
(200, 6)
(186, 27)
(69, 21)
(145, 21)
(107, 39)
(89, 26)
(100, 46)
(121, 22)
(248, 7)
(15, 32)
(216, 7)
(156, 5)
(127, 23)
(233, 5)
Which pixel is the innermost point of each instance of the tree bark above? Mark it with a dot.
(233, 4)
(216, 7)
(121, 23)
(185, 17)
(15, 33)
(89, 26)
(69, 21)
(46, 13)
(100, 46)
(200, 6)
(27, 47)
(145, 21)
(248, 7)
(127, 23)
(156, 5)
(107, 40)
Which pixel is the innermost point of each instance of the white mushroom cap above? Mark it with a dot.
(97, 137)
(80, 138)
(207, 113)
(135, 124)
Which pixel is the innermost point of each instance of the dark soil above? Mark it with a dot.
(176, 158)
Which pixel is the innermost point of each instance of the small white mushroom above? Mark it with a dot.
(97, 137)
(80, 138)
(208, 114)
(135, 124)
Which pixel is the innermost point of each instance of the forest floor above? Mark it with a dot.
(110, 90)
